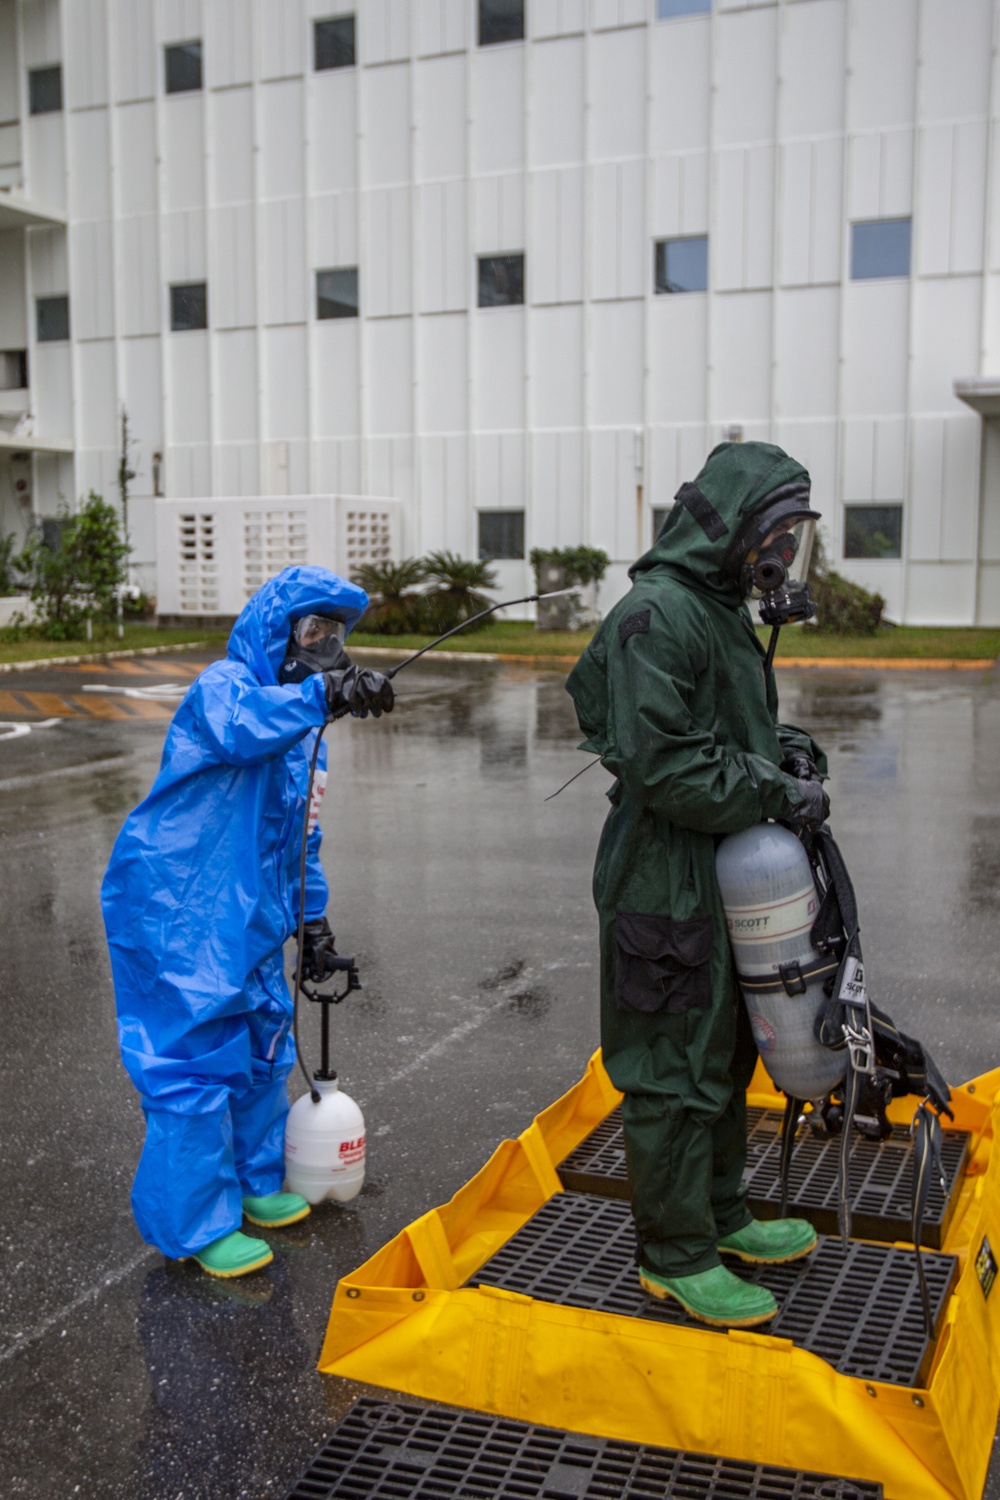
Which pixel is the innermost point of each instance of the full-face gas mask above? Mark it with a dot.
(315, 644)
(769, 557)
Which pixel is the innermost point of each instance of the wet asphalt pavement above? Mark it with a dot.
(465, 897)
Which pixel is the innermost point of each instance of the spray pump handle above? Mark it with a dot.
(335, 964)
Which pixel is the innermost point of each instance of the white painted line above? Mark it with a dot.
(89, 1294)
(158, 691)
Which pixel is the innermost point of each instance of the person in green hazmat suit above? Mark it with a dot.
(675, 696)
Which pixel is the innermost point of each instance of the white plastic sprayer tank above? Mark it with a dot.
(325, 1146)
(771, 903)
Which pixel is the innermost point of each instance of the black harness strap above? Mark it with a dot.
(926, 1132)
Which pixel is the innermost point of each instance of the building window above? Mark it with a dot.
(667, 9)
(500, 21)
(333, 43)
(660, 514)
(880, 247)
(501, 533)
(183, 67)
(52, 319)
(873, 531)
(681, 265)
(13, 369)
(45, 90)
(501, 280)
(337, 293)
(188, 306)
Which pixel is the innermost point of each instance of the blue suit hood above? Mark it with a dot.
(259, 638)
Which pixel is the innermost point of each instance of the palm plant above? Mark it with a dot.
(393, 589)
(458, 594)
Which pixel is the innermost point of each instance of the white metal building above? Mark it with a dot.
(517, 265)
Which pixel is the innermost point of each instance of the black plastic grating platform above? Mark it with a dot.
(858, 1309)
(396, 1452)
(880, 1175)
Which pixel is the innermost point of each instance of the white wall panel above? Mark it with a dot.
(617, 94)
(443, 254)
(558, 239)
(814, 444)
(10, 81)
(557, 112)
(282, 38)
(440, 114)
(385, 33)
(45, 180)
(499, 213)
(390, 468)
(228, 52)
(134, 58)
(141, 287)
(609, 13)
(49, 265)
(745, 77)
(806, 352)
(135, 125)
(680, 194)
(444, 374)
(557, 518)
(682, 93)
(741, 357)
(189, 470)
(498, 117)
(385, 280)
(232, 145)
(556, 374)
(337, 393)
(338, 466)
(616, 363)
(335, 230)
(183, 146)
(40, 29)
(558, 17)
(940, 593)
(236, 382)
(881, 175)
(282, 172)
(89, 165)
(284, 363)
(874, 351)
(813, 44)
(179, 20)
(742, 245)
(618, 247)
(445, 518)
(811, 229)
(949, 229)
(882, 62)
(675, 453)
(143, 395)
(441, 26)
(184, 249)
(874, 458)
(499, 459)
(678, 352)
(237, 468)
(611, 464)
(498, 369)
(187, 373)
(85, 74)
(13, 332)
(233, 273)
(955, 58)
(332, 96)
(98, 394)
(92, 295)
(389, 358)
(286, 287)
(387, 125)
(51, 390)
(945, 339)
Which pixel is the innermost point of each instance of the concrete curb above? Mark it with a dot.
(98, 656)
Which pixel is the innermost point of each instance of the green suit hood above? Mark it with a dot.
(734, 482)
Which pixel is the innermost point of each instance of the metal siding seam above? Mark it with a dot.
(413, 509)
(836, 524)
(986, 289)
(308, 254)
(471, 301)
(361, 181)
(915, 211)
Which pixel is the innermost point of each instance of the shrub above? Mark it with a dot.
(842, 607)
(9, 583)
(73, 567)
(458, 595)
(396, 606)
(578, 564)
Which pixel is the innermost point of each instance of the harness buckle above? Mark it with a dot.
(792, 978)
(860, 1046)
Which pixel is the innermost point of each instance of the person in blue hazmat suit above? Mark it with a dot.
(199, 897)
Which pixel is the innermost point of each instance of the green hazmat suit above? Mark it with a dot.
(672, 694)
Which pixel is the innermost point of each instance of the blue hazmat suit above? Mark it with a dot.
(199, 896)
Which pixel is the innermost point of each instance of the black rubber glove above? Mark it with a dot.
(812, 811)
(359, 690)
(317, 947)
(800, 765)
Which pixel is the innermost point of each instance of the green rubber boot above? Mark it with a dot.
(771, 1241)
(235, 1254)
(716, 1297)
(276, 1210)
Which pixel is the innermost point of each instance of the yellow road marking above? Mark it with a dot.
(100, 708)
(50, 705)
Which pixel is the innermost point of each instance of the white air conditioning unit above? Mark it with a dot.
(212, 555)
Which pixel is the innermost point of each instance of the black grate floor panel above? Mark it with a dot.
(858, 1309)
(880, 1175)
(401, 1452)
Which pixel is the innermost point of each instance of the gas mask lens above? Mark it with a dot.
(313, 632)
(782, 557)
(316, 644)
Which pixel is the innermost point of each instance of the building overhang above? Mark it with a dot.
(18, 212)
(11, 442)
(981, 392)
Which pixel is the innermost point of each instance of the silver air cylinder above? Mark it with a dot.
(771, 904)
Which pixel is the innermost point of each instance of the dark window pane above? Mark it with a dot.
(682, 265)
(873, 531)
(500, 21)
(183, 67)
(45, 90)
(53, 319)
(52, 530)
(501, 280)
(188, 306)
(337, 293)
(667, 8)
(880, 248)
(333, 43)
(13, 369)
(660, 514)
(501, 533)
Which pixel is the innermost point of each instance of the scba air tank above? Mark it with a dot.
(771, 904)
(325, 1146)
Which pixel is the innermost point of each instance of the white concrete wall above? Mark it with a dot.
(768, 126)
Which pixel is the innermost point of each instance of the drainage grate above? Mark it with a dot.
(880, 1177)
(858, 1309)
(428, 1453)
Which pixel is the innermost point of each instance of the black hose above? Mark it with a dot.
(303, 854)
